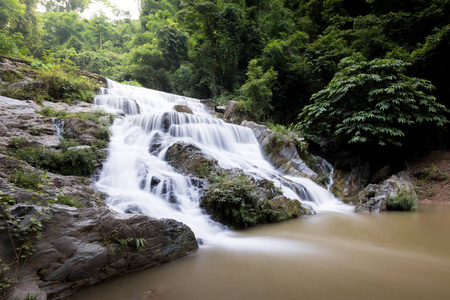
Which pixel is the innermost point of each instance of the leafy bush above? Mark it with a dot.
(232, 202)
(257, 92)
(27, 179)
(371, 102)
(79, 162)
(68, 87)
(404, 201)
(18, 143)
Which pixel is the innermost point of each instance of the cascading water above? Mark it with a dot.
(137, 178)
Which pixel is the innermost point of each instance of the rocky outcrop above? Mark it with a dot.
(230, 196)
(375, 197)
(78, 246)
(81, 247)
(281, 153)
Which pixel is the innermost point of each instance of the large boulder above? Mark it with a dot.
(81, 247)
(395, 193)
(230, 196)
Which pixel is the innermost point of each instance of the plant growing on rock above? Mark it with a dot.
(403, 201)
(235, 202)
(33, 180)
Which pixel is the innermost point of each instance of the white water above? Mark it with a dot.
(138, 180)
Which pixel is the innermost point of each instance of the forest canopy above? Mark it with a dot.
(345, 71)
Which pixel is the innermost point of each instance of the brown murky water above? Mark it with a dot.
(326, 256)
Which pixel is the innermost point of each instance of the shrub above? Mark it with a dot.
(27, 179)
(78, 162)
(18, 143)
(404, 201)
(232, 202)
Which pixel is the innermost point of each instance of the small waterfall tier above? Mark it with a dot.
(138, 179)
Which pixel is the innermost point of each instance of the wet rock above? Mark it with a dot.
(231, 114)
(80, 247)
(348, 184)
(155, 144)
(220, 109)
(189, 159)
(53, 185)
(229, 195)
(284, 156)
(183, 109)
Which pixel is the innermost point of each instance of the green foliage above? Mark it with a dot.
(5, 279)
(257, 92)
(18, 143)
(432, 173)
(9, 43)
(124, 243)
(68, 200)
(371, 102)
(33, 180)
(79, 162)
(403, 201)
(232, 202)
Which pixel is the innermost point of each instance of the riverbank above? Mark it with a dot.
(432, 174)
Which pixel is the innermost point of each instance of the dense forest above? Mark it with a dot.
(353, 75)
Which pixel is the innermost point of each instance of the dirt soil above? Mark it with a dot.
(432, 174)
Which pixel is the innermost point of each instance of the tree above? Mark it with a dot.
(371, 102)
(257, 91)
(66, 5)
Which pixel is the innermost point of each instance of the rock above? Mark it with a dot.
(19, 119)
(375, 197)
(348, 184)
(380, 175)
(189, 159)
(183, 109)
(283, 155)
(220, 109)
(255, 200)
(81, 247)
(231, 115)
(54, 185)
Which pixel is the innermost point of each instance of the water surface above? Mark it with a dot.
(330, 255)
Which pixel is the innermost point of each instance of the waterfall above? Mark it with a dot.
(138, 179)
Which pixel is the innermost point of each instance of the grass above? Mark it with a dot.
(69, 200)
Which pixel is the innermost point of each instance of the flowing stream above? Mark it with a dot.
(335, 254)
(138, 179)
